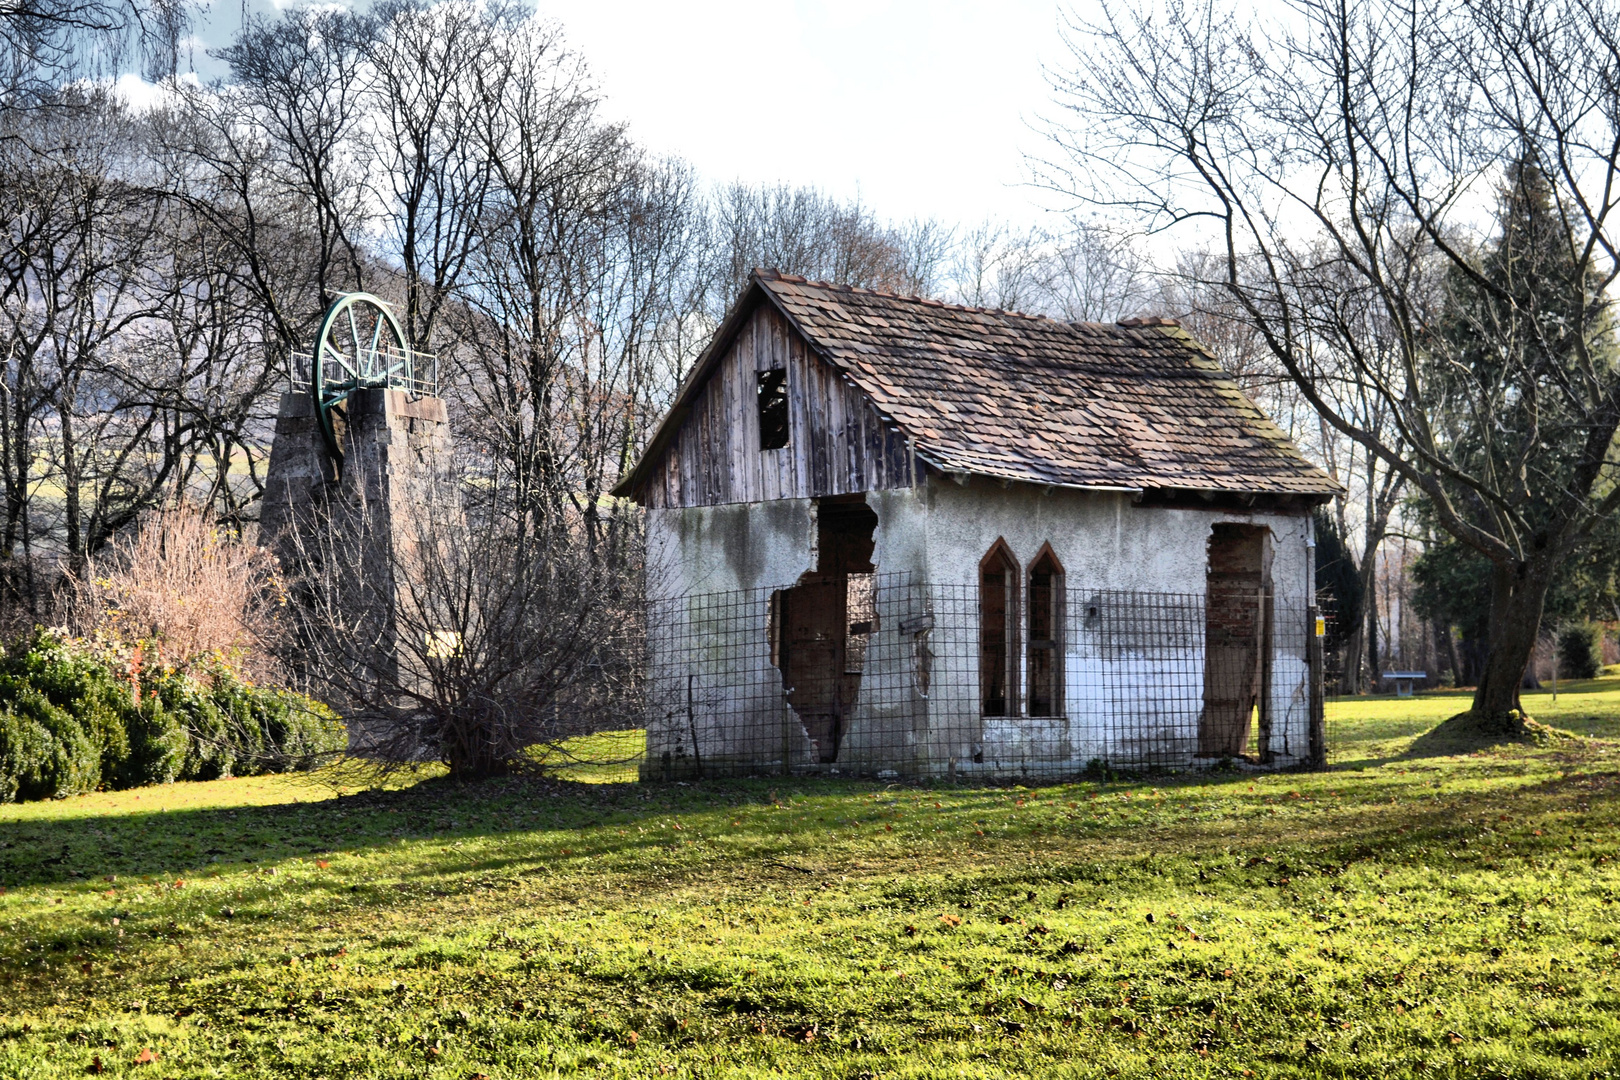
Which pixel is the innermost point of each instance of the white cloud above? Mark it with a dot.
(141, 96)
(922, 108)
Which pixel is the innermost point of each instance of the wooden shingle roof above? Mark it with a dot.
(1138, 405)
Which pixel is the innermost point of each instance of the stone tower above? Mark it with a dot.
(353, 520)
(398, 459)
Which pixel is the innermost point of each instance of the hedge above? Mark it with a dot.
(68, 724)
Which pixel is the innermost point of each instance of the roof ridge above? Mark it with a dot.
(773, 274)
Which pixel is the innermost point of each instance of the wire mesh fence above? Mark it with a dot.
(884, 675)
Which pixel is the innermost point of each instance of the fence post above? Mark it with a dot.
(787, 736)
(1313, 654)
(691, 725)
(1268, 642)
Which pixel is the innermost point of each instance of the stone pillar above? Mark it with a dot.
(398, 479)
(397, 453)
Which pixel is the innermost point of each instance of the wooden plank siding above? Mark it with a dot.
(837, 442)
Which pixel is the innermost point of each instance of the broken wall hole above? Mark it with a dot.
(820, 629)
(1132, 675)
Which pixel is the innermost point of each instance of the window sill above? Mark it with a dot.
(1004, 716)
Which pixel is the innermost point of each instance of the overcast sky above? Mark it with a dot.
(923, 109)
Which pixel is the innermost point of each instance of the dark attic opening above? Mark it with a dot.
(821, 626)
(773, 409)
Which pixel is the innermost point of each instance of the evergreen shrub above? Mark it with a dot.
(69, 724)
(1580, 653)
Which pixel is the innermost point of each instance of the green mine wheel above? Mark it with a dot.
(361, 346)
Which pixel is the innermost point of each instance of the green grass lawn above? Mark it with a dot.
(1406, 914)
(1378, 727)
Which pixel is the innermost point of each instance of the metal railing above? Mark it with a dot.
(417, 373)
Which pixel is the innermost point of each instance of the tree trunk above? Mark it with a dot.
(1459, 677)
(1350, 676)
(72, 507)
(1518, 595)
(1370, 634)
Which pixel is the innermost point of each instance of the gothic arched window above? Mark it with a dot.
(1045, 662)
(998, 632)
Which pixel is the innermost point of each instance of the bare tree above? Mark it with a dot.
(1347, 158)
(995, 266)
(298, 104)
(427, 163)
(190, 591)
(45, 43)
(79, 281)
(468, 642)
(804, 231)
(575, 310)
(1079, 272)
(1196, 292)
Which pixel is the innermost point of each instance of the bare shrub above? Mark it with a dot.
(471, 641)
(182, 592)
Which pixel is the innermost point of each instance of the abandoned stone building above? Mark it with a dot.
(893, 536)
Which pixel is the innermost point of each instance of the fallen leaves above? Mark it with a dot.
(145, 1057)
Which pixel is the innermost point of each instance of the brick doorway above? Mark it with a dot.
(1237, 638)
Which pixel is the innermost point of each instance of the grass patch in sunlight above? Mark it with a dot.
(1383, 726)
(605, 757)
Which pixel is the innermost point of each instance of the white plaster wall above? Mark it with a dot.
(706, 549)
(1102, 540)
(1124, 709)
(940, 532)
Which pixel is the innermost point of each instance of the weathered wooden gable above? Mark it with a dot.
(838, 444)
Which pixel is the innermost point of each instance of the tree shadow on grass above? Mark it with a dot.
(1462, 734)
(37, 851)
(192, 841)
(1419, 832)
(197, 841)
